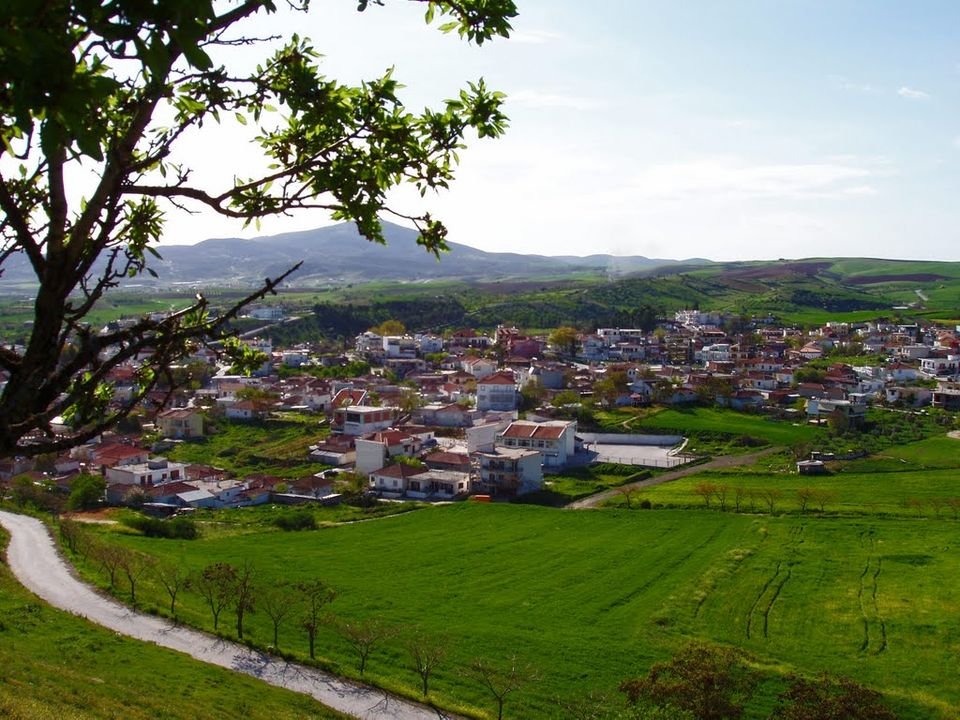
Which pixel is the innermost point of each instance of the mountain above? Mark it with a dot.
(338, 253)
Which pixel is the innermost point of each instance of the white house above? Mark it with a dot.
(480, 368)
(391, 481)
(399, 346)
(940, 367)
(429, 344)
(152, 472)
(497, 392)
(555, 440)
(438, 484)
(376, 449)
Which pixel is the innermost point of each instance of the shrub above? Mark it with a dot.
(175, 529)
(302, 520)
(645, 504)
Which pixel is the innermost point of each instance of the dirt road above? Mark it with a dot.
(34, 560)
(721, 462)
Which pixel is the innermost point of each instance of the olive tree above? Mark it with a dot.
(96, 96)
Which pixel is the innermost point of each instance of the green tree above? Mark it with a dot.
(95, 98)
(389, 327)
(531, 395)
(710, 682)
(610, 387)
(86, 492)
(564, 339)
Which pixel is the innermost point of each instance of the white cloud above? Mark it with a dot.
(956, 142)
(537, 99)
(730, 177)
(912, 93)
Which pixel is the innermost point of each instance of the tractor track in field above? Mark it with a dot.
(780, 573)
(664, 572)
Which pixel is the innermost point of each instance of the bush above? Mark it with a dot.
(302, 520)
(175, 529)
(645, 504)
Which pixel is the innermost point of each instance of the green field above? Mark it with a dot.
(590, 598)
(714, 420)
(55, 665)
(278, 446)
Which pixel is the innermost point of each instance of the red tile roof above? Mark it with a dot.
(500, 378)
(533, 430)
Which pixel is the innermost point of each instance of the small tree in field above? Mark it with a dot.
(315, 595)
(244, 595)
(739, 495)
(278, 601)
(134, 564)
(805, 496)
(427, 652)
(627, 492)
(174, 577)
(720, 492)
(770, 496)
(710, 682)
(705, 490)
(364, 636)
(827, 698)
(216, 583)
(501, 679)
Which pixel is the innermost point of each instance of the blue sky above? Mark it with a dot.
(720, 129)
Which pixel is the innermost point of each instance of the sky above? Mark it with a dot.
(733, 129)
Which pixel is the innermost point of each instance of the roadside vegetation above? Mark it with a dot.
(56, 665)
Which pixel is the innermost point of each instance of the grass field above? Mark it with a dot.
(278, 446)
(55, 665)
(714, 420)
(590, 598)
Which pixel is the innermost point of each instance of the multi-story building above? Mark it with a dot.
(510, 471)
(497, 392)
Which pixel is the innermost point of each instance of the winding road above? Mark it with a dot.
(35, 561)
(725, 461)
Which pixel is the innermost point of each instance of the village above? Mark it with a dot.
(491, 416)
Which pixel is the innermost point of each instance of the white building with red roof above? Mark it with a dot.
(555, 440)
(376, 449)
(498, 392)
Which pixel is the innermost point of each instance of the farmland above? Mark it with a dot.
(590, 598)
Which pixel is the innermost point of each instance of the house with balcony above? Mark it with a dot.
(820, 408)
(180, 423)
(508, 472)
